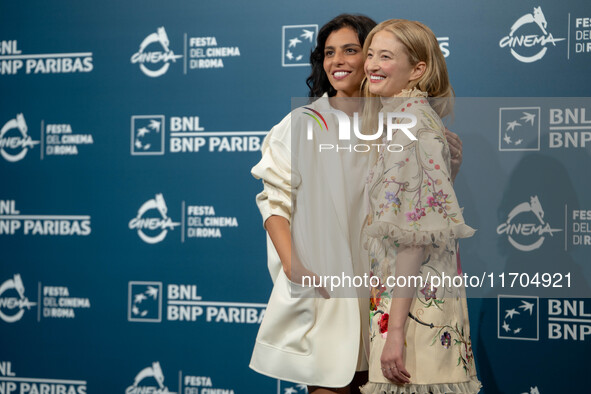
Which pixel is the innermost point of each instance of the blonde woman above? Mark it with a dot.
(420, 334)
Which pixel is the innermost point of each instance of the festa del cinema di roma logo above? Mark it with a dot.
(153, 229)
(523, 47)
(149, 380)
(8, 303)
(14, 140)
(524, 230)
(393, 122)
(160, 60)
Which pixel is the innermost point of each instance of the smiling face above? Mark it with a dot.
(387, 66)
(343, 62)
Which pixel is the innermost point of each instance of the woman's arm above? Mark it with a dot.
(280, 233)
(408, 263)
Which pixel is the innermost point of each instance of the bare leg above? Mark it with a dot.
(359, 379)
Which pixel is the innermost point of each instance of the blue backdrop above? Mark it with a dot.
(132, 253)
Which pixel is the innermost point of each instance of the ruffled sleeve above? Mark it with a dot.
(412, 198)
(275, 171)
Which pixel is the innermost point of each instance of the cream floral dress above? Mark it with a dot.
(412, 202)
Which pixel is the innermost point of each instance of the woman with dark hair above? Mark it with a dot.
(318, 81)
(309, 336)
(304, 338)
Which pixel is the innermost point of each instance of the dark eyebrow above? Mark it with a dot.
(344, 46)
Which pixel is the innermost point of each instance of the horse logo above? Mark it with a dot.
(152, 224)
(537, 17)
(143, 56)
(512, 227)
(8, 144)
(516, 41)
(154, 372)
(10, 303)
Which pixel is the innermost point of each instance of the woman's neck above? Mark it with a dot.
(346, 102)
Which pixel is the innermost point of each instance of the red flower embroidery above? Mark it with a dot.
(383, 323)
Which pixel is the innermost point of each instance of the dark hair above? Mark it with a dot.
(318, 81)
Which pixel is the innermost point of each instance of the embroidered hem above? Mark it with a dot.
(471, 387)
(380, 229)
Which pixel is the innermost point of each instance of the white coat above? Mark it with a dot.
(304, 338)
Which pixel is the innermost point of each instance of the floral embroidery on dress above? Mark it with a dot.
(429, 291)
(377, 293)
(464, 345)
(384, 324)
(416, 199)
(446, 340)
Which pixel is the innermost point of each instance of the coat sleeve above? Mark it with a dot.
(414, 202)
(275, 170)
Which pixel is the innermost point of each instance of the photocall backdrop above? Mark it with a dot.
(133, 256)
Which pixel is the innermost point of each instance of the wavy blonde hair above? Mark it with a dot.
(421, 46)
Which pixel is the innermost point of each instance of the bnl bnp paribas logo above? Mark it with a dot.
(149, 380)
(145, 302)
(147, 135)
(152, 222)
(519, 129)
(298, 41)
(13, 302)
(186, 135)
(291, 388)
(529, 39)
(14, 140)
(523, 231)
(155, 55)
(518, 317)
